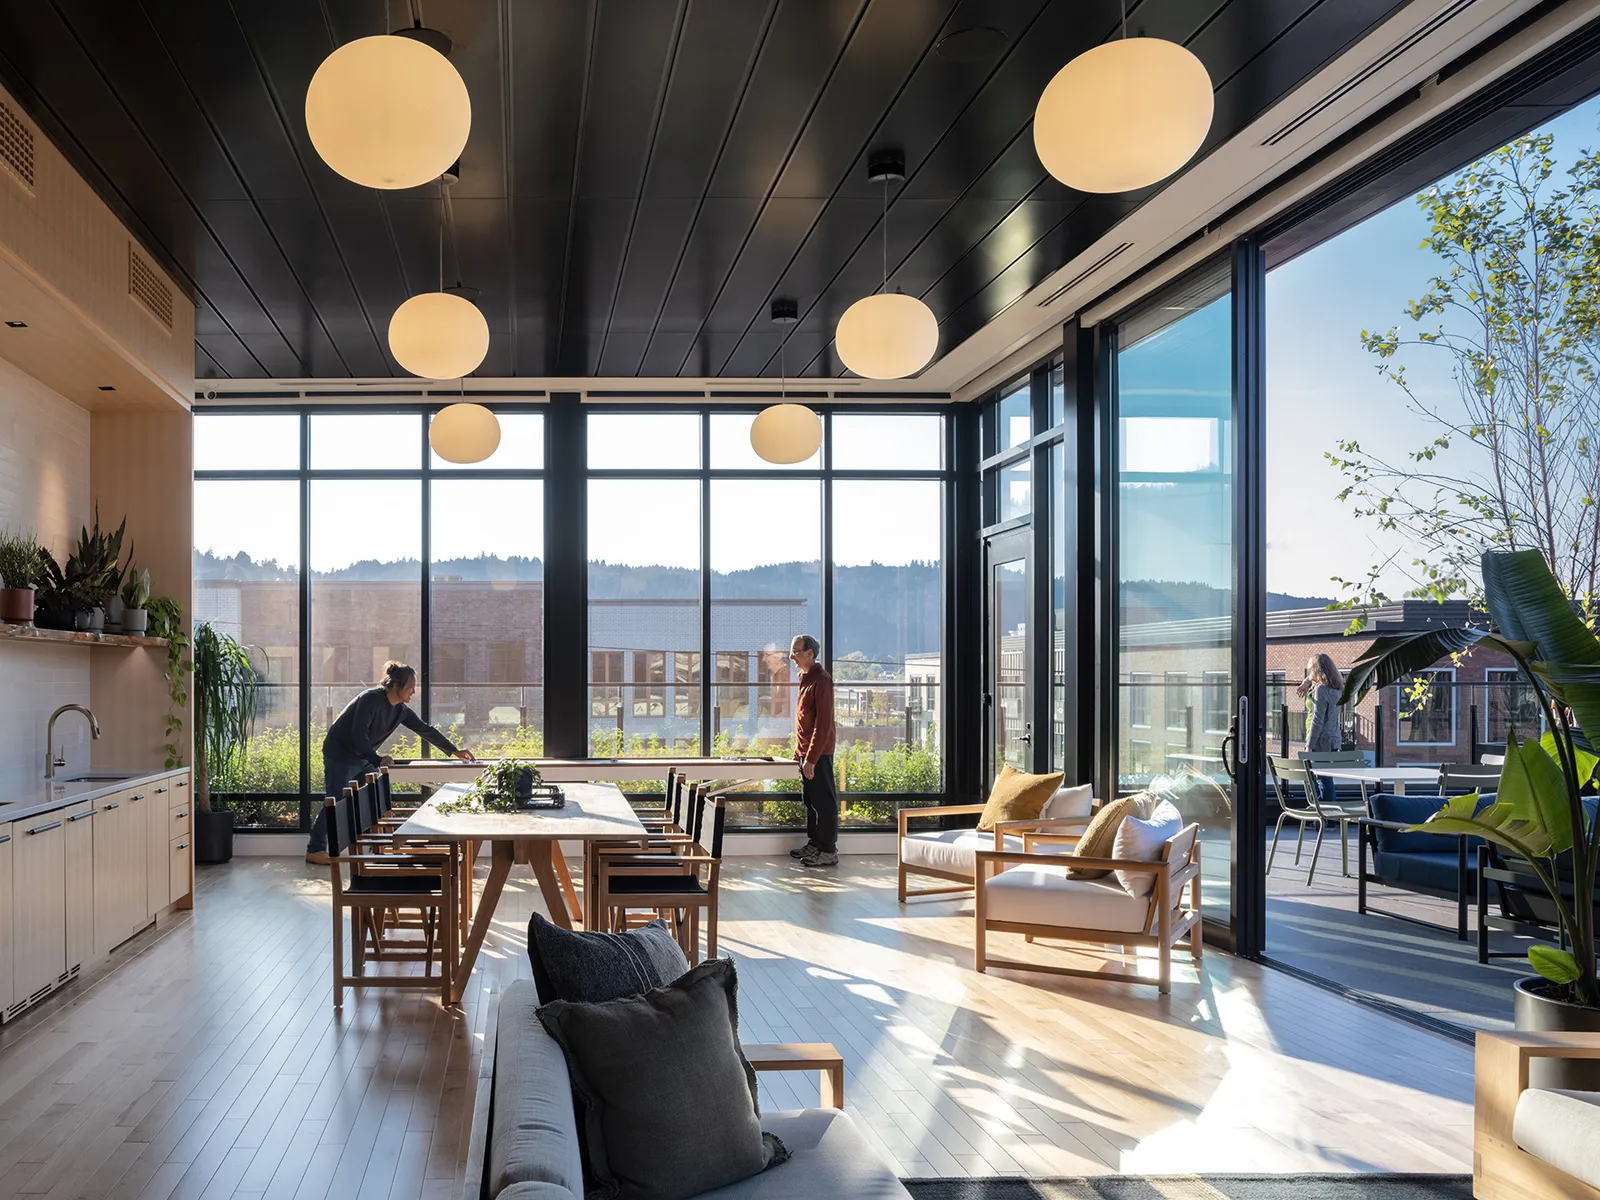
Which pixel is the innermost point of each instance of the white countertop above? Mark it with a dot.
(47, 795)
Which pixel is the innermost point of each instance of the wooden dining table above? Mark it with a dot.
(593, 813)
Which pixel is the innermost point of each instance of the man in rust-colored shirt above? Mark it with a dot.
(814, 735)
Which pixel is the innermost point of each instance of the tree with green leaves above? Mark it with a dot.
(1516, 464)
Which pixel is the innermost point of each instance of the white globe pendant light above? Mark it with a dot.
(887, 335)
(389, 111)
(1123, 115)
(438, 335)
(785, 433)
(464, 433)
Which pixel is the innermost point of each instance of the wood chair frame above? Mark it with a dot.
(907, 815)
(360, 906)
(676, 859)
(1501, 1169)
(1162, 913)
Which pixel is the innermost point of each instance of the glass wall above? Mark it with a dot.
(1175, 562)
(685, 654)
(380, 514)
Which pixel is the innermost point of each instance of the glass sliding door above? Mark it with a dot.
(1176, 563)
(1008, 573)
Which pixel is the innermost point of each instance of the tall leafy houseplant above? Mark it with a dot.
(1538, 813)
(226, 699)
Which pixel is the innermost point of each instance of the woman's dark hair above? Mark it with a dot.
(396, 675)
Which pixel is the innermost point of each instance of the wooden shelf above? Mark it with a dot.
(69, 637)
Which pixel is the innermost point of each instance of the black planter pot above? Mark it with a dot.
(213, 836)
(1537, 1013)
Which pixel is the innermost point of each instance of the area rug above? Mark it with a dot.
(1200, 1187)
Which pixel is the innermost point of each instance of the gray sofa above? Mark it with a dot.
(525, 1137)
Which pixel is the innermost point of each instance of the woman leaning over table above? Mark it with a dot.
(351, 748)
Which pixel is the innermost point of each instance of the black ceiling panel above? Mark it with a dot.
(643, 176)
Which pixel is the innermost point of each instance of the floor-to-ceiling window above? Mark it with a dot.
(1429, 395)
(408, 557)
(1175, 560)
(704, 562)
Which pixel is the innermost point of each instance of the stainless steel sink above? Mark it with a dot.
(92, 777)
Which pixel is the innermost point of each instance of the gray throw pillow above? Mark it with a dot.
(667, 1101)
(587, 968)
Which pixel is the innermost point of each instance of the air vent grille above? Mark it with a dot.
(1103, 261)
(1427, 29)
(16, 146)
(149, 289)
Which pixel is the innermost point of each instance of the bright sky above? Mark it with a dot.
(1322, 385)
(754, 522)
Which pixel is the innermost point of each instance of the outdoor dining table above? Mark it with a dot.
(593, 813)
(1396, 777)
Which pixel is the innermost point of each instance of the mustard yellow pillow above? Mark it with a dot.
(1101, 836)
(1017, 797)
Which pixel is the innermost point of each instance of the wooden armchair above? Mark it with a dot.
(1032, 895)
(1502, 1169)
(948, 853)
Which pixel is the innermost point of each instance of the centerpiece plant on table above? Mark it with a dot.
(1544, 809)
(502, 787)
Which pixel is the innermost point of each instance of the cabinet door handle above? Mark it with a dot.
(90, 813)
(181, 783)
(115, 804)
(4, 838)
(160, 790)
(183, 845)
(45, 828)
(137, 796)
(178, 816)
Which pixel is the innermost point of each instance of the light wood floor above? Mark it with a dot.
(208, 1061)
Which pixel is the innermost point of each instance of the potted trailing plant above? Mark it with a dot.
(135, 595)
(226, 700)
(166, 621)
(21, 565)
(1544, 810)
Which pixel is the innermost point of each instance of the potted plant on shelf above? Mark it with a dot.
(135, 595)
(21, 565)
(226, 699)
(92, 576)
(1544, 810)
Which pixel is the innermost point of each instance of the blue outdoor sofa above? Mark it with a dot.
(1427, 864)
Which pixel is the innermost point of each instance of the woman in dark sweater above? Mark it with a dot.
(350, 750)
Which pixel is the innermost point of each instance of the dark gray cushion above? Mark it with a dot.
(587, 968)
(668, 1103)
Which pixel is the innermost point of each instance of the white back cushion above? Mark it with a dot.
(1069, 802)
(1143, 840)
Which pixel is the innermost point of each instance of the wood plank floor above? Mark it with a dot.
(206, 1060)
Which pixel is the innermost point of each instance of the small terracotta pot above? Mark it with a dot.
(16, 606)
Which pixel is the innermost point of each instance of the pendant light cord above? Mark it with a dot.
(1124, 20)
(885, 224)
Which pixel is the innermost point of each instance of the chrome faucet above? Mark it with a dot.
(50, 760)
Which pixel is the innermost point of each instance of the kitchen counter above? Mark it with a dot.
(47, 795)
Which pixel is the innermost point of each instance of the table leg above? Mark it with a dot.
(499, 868)
(564, 877)
(1399, 787)
(540, 854)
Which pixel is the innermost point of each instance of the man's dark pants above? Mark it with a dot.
(822, 806)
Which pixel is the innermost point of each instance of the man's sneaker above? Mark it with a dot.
(803, 851)
(820, 858)
(318, 857)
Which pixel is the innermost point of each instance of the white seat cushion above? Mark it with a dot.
(828, 1157)
(1563, 1129)
(1040, 894)
(953, 850)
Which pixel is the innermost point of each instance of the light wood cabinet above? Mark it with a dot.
(78, 836)
(180, 868)
(119, 872)
(38, 903)
(8, 991)
(153, 818)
